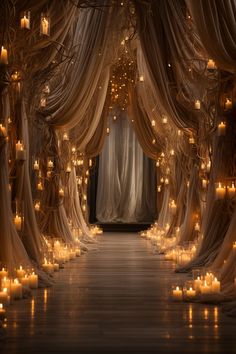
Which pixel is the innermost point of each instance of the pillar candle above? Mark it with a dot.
(25, 281)
(4, 56)
(220, 191)
(20, 272)
(215, 286)
(3, 273)
(6, 283)
(16, 289)
(37, 206)
(40, 186)
(36, 165)
(197, 283)
(44, 26)
(18, 222)
(205, 289)
(2, 312)
(4, 297)
(61, 192)
(211, 65)
(24, 22)
(33, 281)
(191, 292)
(228, 104)
(177, 294)
(221, 128)
(50, 164)
(231, 190)
(3, 130)
(48, 267)
(197, 104)
(65, 137)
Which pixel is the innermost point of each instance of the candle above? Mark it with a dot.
(40, 186)
(50, 164)
(37, 206)
(33, 281)
(204, 183)
(164, 120)
(90, 162)
(61, 192)
(44, 26)
(18, 222)
(173, 207)
(205, 288)
(197, 283)
(177, 294)
(24, 22)
(43, 102)
(167, 181)
(16, 289)
(65, 137)
(191, 292)
(108, 131)
(20, 151)
(20, 272)
(36, 165)
(220, 191)
(191, 140)
(141, 78)
(215, 286)
(209, 278)
(68, 169)
(197, 226)
(4, 56)
(158, 163)
(228, 104)
(25, 281)
(221, 128)
(3, 130)
(78, 252)
(197, 104)
(159, 189)
(172, 152)
(211, 65)
(4, 297)
(2, 312)
(6, 283)
(153, 123)
(231, 190)
(48, 267)
(3, 273)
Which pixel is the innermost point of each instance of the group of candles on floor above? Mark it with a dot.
(26, 279)
(202, 285)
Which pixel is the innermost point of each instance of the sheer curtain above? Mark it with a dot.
(126, 178)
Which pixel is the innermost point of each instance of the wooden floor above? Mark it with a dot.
(115, 300)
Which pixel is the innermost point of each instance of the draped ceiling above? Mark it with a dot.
(167, 45)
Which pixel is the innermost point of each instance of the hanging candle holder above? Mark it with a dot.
(45, 24)
(25, 20)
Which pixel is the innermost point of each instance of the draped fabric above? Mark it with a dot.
(125, 183)
(215, 23)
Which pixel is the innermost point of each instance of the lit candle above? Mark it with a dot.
(33, 281)
(44, 26)
(211, 64)
(16, 289)
(221, 128)
(25, 281)
(68, 169)
(3, 56)
(20, 272)
(231, 190)
(24, 22)
(3, 130)
(204, 183)
(209, 278)
(177, 294)
(191, 140)
(215, 286)
(167, 181)
(6, 283)
(37, 206)
(18, 222)
(197, 104)
(4, 297)
(141, 78)
(173, 207)
(205, 288)
(20, 151)
(61, 192)
(228, 104)
(197, 283)
(159, 189)
(2, 312)
(190, 292)
(164, 120)
(153, 123)
(220, 191)
(172, 152)
(3, 273)
(65, 137)
(108, 131)
(50, 164)
(90, 162)
(197, 226)
(40, 186)
(36, 165)
(48, 267)
(43, 102)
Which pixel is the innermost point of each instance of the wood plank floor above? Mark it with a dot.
(115, 300)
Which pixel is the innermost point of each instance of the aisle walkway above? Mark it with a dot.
(115, 300)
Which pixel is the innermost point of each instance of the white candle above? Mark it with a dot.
(197, 104)
(33, 281)
(20, 151)
(36, 165)
(228, 104)
(20, 272)
(50, 164)
(44, 26)
(25, 281)
(204, 183)
(24, 22)
(61, 192)
(6, 283)
(197, 283)
(2, 312)
(164, 120)
(173, 207)
(4, 297)
(231, 190)
(215, 286)
(3, 130)
(3, 273)
(221, 128)
(220, 191)
(153, 123)
(37, 206)
(18, 222)
(209, 278)
(68, 169)
(108, 131)
(16, 289)
(205, 289)
(191, 292)
(3, 56)
(40, 186)
(177, 294)
(48, 267)
(141, 78)
(167, 181)
(211, 64)
(65, 137)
